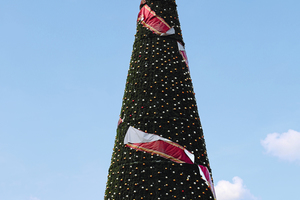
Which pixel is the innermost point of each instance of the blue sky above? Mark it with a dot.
(63, 66)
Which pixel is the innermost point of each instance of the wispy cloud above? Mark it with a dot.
(233, 191)
(34, 198)
(285, 146)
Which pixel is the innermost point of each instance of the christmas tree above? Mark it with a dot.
(159, 150)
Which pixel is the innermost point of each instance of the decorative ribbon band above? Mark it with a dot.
(183, 53)
(143, 2)
(156, 24)
(120, 121)
(165, 148)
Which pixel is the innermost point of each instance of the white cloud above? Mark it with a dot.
(286, 146)
(233, 191)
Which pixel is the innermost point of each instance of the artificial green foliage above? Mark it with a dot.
(159, 99)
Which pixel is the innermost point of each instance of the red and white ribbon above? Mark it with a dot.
(156, 24)
(183, 53)
(165, 148)
(143, 2)
(120, 120)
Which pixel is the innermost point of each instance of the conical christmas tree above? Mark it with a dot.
(159, 150)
